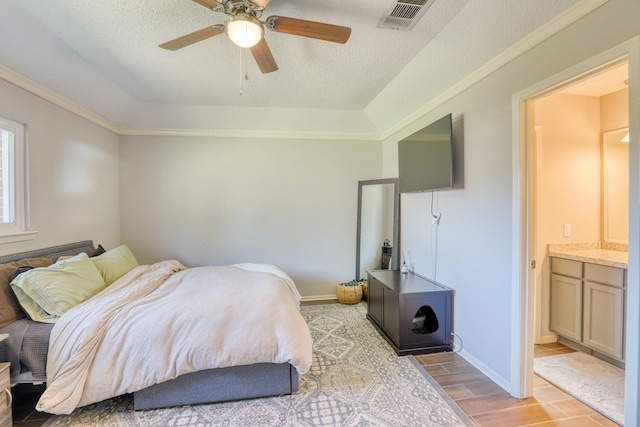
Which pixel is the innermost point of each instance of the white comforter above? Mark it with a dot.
(162, 320)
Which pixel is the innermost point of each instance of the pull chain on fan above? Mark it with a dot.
(244, 75)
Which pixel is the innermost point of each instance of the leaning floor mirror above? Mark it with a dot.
(378, 231)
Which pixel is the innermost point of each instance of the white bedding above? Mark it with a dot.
(162, 320)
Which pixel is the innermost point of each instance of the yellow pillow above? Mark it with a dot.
(46, 293)
(115, 263)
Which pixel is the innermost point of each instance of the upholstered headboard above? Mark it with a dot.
(53, 252)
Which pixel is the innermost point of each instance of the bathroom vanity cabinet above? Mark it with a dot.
(588, 305)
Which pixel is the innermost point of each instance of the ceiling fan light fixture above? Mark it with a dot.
(244, 30)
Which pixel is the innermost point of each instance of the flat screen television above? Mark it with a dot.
(425, 158)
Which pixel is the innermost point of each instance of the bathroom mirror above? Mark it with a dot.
(615, 186)
(378, 220)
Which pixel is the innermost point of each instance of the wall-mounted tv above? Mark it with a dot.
(425, 158)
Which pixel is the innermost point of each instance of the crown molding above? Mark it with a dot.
(43, 92)
(37, 89)
(229, 133)
(541, 34)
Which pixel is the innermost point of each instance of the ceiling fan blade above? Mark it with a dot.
(260, 3)
(211, 4)
(315, 30)
(263, 57)
(192, 38)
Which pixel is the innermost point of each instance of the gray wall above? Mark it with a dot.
(73, 173)
(476, 235)
(213, 201)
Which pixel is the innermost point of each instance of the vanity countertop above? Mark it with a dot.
(596, 256)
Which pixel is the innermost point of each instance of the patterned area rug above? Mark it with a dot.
(356, 380)
(595, 383)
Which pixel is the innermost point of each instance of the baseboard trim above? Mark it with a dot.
(319, 298)
(548, 339)
(493, 376)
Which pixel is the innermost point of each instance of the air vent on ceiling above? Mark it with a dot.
(403, 14)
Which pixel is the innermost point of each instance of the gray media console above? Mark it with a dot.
(411, 312)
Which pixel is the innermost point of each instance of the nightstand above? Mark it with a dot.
(5, 391)
(5, 395)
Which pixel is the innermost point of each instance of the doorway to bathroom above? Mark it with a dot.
(578, 177)
(574, 200)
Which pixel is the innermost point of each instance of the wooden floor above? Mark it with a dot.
(482, 400)
(489, 405)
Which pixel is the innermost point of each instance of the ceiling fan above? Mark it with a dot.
(245, 29)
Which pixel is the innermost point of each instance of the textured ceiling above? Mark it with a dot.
(121, 38)
(104, 55)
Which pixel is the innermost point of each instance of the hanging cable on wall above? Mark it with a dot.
(435, 221)
(453, 342)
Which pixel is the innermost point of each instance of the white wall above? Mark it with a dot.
(476, 242)
(614, 110)
(73, 173)
(571, 167)
(204, 200)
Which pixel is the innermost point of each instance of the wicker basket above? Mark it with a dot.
(349, 294)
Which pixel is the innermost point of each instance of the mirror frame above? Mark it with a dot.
(396, 220)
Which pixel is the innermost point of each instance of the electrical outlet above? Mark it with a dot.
(567, 230)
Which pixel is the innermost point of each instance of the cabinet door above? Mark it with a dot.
(374, 300)
(566, 306)
(391, 315)
(604, 318)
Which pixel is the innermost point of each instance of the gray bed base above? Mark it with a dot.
(208, 386)
(219, 385)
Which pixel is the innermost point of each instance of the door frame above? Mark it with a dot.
(522, 333)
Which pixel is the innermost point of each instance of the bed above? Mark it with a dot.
(107, 346)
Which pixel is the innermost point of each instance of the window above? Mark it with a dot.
(13, 215)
